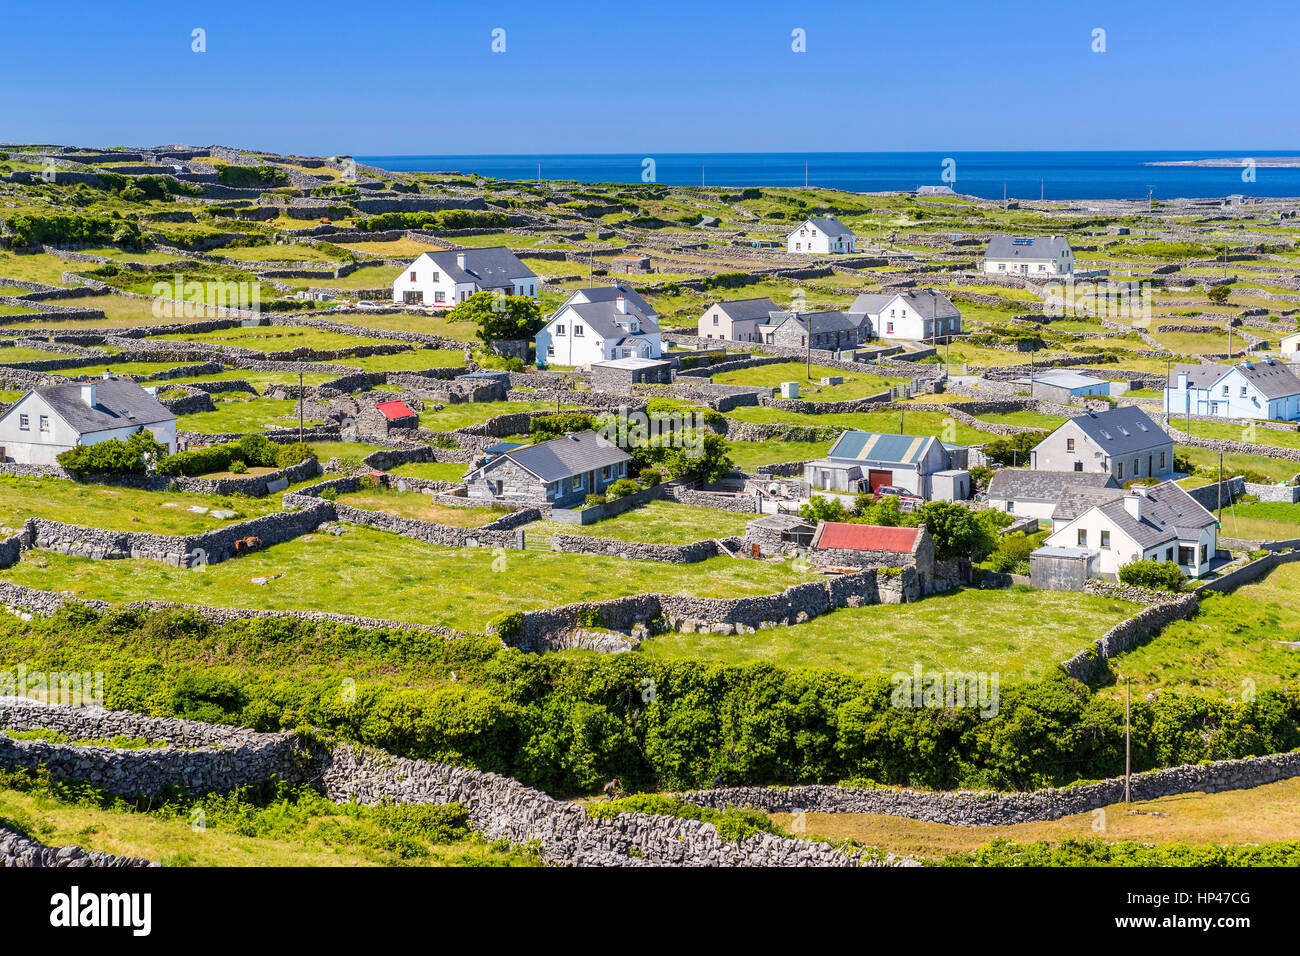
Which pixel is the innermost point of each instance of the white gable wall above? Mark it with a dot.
(34, 446)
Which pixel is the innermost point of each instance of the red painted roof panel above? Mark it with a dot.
(867, 537)
(394, 409)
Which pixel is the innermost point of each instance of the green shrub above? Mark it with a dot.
(135, 456)
(733, 823)
(649, 477)
(622, 488)
(1156, 575)
(250, 177)
(237, 467)
(593, 500)
(286, 456)
(508, 625)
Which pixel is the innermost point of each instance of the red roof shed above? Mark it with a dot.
(394, 409)
(866, 537)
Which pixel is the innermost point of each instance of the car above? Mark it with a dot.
(905, 497)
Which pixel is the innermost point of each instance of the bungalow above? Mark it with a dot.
(1063, 386)
(832, 330)
(596, 325)
(1264, 390)
(738, 320)
(823, 236)
(48, 421)
(442, 279)
(1033, 494)
(1145, 523)
(1029, 255)
(560, 473)
(1123, 442)
(864, 461)
(1290, 344)
(913, 316)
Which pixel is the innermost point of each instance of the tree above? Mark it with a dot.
(499, 316)
(1014, 449)
(1219, 294)
(137, 455)
(955, 530)
(823, 509)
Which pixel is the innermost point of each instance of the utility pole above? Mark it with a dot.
(808, 339)
(539, 174)
(1229, 339)
(300, 401)
(1151, 206)
(805, 174)
(1042, 189)
(1169, 372)
(1220, 487)
(1128, 738)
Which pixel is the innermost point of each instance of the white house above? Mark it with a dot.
(1290, 345)
(1262, 390)
(737, 320)
(1026, 493)
(597, 325)
(1123, 442)
(1029, 255)
(442, 279)
(1146, 523)
(51, 420)
(823, 236)
(915, 315)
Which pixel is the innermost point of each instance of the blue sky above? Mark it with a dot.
(329, 77)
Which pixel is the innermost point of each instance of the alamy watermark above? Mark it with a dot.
(946, 689)
(67, 688)
(193, 299)
(1129, 300)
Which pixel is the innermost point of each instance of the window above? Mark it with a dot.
(577, 330)
(1169, 554)
(1162, 459)
(1243, 391)
(1185, 555)
(1105, 539)
(1225, 391)
(436, 277)
(412, 276)
(1083, 537)
(440, 297)
(559, 329)
(24, 423)
(45, 423)
(889, 328)
(715, 320)
(550, 351)
(1002, 267)
(605, 473)
(577, 482)
(1069, 444)
(1042, 267)
(1204, 553)
(1011, 506)
(1137, 467)
(1120, 473)
(1078, 466)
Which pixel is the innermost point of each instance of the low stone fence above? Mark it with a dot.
(990, 808)
(209, 547)
(1251, 571)
(1228, 447)
(721, 500)
(1289, 494)
(691, 553)
(254, 486)
(1209, 496)
(1089, 664)
(17, 850)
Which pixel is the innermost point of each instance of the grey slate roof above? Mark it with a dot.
(610, 293)
(1168, 513)
(1273, 380)
(870, 303)
(1025, 484)
(118, 404)
(829, 320)
(603, 320)
(1076, 499)
(930, 304)
(1122, 430)
(1027, 247)
(490, 267)
(566, 456)
(1064, 380)
(739, 310)
(829, 225)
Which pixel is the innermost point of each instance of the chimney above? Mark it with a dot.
(88, 395)
(460, 260)
(1246, 363)
(107, 376)
(1133, 505)
(621, 304)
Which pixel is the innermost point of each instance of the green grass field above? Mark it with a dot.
(412, 360)
(374, 574)
(1262, 521)
(1030, 419)
(277, 338)
(432, 470)
(122, 509)
(1232, 644)
(452, 417)
(235, 412)
(748, 455)
(414, 504)
(1017, 634)
(656, 522)
(854, 386)
(914, 423)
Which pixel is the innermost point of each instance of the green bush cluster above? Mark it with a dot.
(442, 219)
(733, 823)
(134, 456)
(250, 177)
(250, 451)
(569, 724)
(75, 229)
(1156, 575)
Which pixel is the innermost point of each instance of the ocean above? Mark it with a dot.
(1022, 175)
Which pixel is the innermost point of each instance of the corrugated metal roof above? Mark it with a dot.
(866, 537)
(394, 409)
(879, 447)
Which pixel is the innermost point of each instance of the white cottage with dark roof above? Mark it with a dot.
(1252, 389)
(49, 421)
(823, 235)
(442, 279)
(1029, 255)
(600, 325)
(913, 316)
(1160, 523)
(1123, 442)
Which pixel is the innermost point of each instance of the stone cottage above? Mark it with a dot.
(558, 473)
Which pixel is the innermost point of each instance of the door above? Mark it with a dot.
(877, 478)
